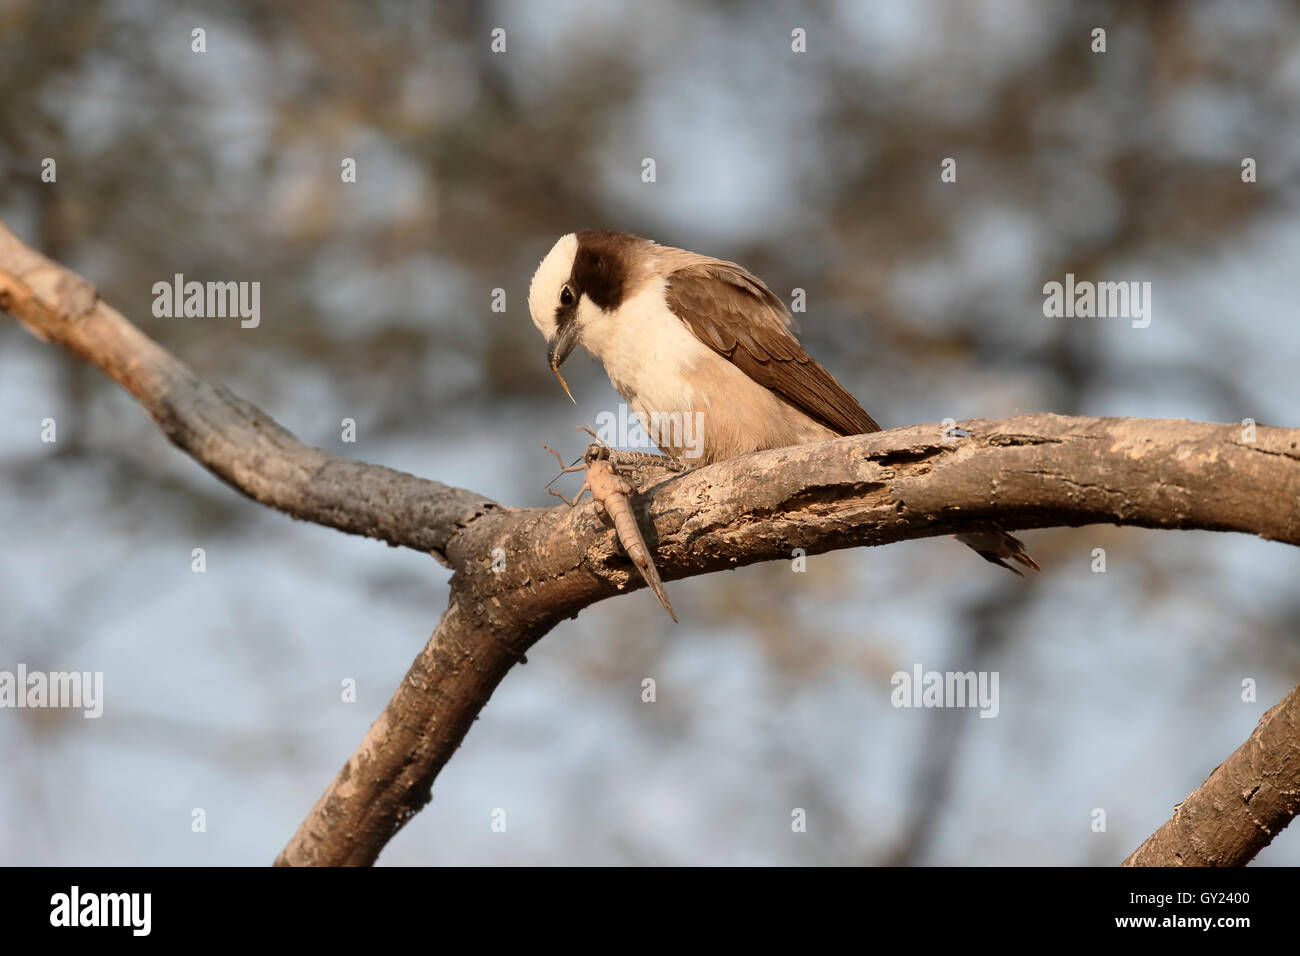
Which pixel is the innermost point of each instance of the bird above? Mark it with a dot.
(683, 334)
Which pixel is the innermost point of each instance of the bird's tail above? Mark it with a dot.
(994, 546)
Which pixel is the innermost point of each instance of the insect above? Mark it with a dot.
(609, 487)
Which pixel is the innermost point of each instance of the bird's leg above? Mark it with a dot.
(636, 462)
(646, 470)
(643, 468)
(645, 459)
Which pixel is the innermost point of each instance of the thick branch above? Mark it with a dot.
(1034, 471)
(416, 734)
(1027, 472)
(1247, 800)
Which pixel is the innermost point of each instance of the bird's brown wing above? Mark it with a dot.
(738, 317)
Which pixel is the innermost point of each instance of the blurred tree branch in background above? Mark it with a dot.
(1028, 472)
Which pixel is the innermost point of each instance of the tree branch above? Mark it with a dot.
(1027, 472)
(1247, 800)
(234, 440)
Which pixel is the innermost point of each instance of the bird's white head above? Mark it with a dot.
(549, 280)
(553, 303)
(581, 279)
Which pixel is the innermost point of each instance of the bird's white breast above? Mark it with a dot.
(646, 350)
(660, 368)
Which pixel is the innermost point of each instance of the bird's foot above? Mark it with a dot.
(645, 468)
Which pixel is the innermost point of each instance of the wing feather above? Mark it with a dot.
(738, 317)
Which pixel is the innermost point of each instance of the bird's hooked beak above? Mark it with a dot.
(566, 338)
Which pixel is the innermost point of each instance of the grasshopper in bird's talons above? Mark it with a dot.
(610, 489)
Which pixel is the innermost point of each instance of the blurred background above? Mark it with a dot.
(817, 170)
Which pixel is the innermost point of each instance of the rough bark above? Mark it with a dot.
(1027, 472)
(1247, 800)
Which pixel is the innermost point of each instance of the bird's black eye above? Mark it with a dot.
(566, 295)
